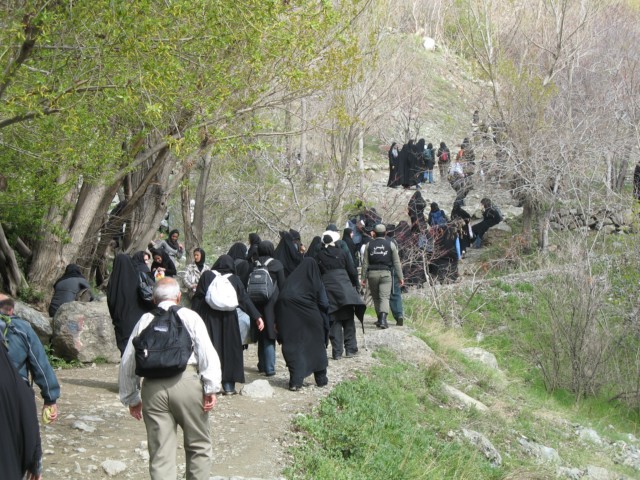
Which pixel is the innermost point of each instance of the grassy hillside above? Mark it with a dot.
(398, 422)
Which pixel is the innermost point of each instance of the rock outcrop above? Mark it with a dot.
(84, 332)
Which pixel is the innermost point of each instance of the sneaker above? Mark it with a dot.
(295, 388)
(351, 354)
(271, 374)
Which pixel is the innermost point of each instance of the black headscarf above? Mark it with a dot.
(266, 249)
(314, 247)
(287, 252)
(71, 271)
(170, 241)
(203, 257)
(224, 264)
(346, 238)
(238, 251)
(138, 262)
(167, 263)
(254, 241)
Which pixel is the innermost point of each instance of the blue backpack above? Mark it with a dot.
(438, 218)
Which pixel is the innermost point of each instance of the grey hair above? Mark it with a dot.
(166, 289)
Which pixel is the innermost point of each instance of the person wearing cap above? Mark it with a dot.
(380, 257)
(395, 299)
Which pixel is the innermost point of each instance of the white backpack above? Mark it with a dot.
(221, 295)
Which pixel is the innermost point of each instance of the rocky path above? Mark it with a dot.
(95, 438)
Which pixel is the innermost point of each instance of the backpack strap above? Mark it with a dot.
(268, 262)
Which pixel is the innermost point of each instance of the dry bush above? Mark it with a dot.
(573, 339)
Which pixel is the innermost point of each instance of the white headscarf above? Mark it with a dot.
(335, 236)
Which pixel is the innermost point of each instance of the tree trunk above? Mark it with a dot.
(201, 195)
(543, 230)
(188, 238)
(528, 214)
(361, 159)
(12, 278)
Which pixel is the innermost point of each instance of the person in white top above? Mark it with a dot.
(184, 399)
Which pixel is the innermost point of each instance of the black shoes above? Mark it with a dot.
(400, 321)
(383, 321)
(351, 354)
(295, 388)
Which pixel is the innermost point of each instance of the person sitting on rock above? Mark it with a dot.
(68, 288)
(490, 217)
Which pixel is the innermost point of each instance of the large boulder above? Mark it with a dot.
(40, 323)
(497, 233)
(84, 332)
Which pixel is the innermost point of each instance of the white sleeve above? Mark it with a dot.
(128, 381)
(206, 356)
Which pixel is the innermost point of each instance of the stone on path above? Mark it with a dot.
(113, 467)
(78, 425)
(257, 389)
(407, 348)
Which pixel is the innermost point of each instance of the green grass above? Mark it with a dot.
(58, 362)
(386, 426)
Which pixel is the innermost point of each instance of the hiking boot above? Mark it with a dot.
(383, 321)
(351, 354)
(378, 324)
(400, 321)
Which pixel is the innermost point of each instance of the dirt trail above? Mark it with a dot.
(250, 436)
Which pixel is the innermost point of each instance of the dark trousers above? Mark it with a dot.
(343, 333)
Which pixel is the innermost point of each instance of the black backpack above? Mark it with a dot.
(163, 348)
(260, 286)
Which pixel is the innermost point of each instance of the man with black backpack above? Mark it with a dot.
(171, 350)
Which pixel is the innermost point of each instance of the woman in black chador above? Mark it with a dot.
(288, 251)
(340, 279)
(416, 208)
(223, 325)
(394, 175)
(303, 324)
(418, 165)
(254, 241)
(238, 252)
(125, 299)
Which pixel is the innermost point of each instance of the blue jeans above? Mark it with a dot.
(428, 176)
(266, 355)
